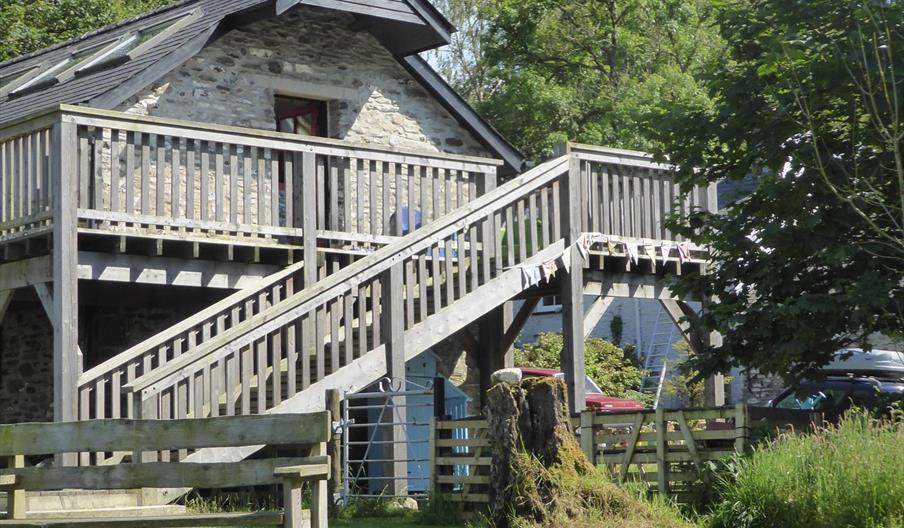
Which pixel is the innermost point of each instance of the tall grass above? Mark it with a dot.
(850, 475)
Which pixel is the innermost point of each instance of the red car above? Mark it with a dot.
(595, 398)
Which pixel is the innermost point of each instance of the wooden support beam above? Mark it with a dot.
(628, 285)
(393, 328)
(494, 349)
(45, 295)
(24, 273)
(595, 313)
(64, 178)
(572, 283)
(517, 325)
(688, 322)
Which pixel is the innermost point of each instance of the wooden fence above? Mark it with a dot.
(664, 449)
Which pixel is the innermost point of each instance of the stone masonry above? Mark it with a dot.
(312, 53)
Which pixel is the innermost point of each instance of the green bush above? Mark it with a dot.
(614, 370)
(844, 476)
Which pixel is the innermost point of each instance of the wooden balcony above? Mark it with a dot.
(159, 187)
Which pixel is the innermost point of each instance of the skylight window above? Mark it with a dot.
(133, 44)
(55, 73)
(8, 80)
(100, 56)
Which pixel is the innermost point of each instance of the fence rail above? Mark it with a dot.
(664, 449)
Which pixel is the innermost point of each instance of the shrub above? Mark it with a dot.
(614, 370)
(842, 476)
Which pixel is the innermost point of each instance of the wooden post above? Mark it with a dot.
(662, 465)
(319, 500)
(306, 193)
(588, 442)
(393, 337)
(572, 291)
(15, 499)
(493, 353)
(333, 401)
(431, 454)
(64, 180)
(741, 427)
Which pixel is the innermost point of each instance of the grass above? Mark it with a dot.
(845, 476)
(387, 522)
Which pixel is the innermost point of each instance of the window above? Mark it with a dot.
(104, 54)
(8, 80)
(133, 44)
(54, 74)
(299, 116)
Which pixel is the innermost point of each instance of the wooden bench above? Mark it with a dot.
(150, 440)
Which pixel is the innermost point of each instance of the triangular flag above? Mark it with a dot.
(666, 249)
(684, 253)
(631, 247)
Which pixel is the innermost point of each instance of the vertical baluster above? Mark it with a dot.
(521, 220)
(533, 225)
(190, 145)
(510, 235)
(449, 191)
(84, 172)
(360, 196)
(437, 181)
(362, 322)
(131, 369)
(348, 167)
(307, 344)
(615, 202)
(410, 179)
(637, 199)
(231, 375)
(424, 188)
(556, 210)
(648, 215)
(247, 368)
(161, 175)
(276, 353)
(335, 308)
(435, 274)
(289, 191)
(176, 191)
(321, 192)
(114, 170)
(388, 178)
(544, 216)
(97, 179)
(273, 178)
(447, 255)
(334, 194)
(376, 295)
(145, 140)
(31, 174)
(236, 169)
(348, 318)
(116, 394)
(460, 255)
(248, 153)
(261, 191)
(422, 285)
(376, 169)
(218, 181)
(409, 292)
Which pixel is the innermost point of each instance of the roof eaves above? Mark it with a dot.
(453, 102)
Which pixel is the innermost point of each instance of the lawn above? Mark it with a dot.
(385, 522)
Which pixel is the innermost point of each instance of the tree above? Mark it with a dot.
(592, 70)
(609, 366)
(812, 260)
(29, 25)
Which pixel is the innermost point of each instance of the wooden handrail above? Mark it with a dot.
(361, 271)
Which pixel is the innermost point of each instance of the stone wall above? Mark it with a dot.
(308, 52)
(26, 365)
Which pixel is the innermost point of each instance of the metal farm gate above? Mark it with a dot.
(367, 457)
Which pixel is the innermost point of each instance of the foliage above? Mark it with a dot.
(616, 329)
(29, 25)
(811, 260)
(589, 70)
(585, 500)
(609, 366)
(847, 475)
(683, 383)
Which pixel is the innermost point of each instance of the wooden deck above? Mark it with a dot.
(364, 256)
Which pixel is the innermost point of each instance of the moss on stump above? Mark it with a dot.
(541, 478)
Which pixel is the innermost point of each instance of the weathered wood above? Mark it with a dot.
(662, 463)
(24, 273)
(170, 521)
(572, 289)
(595, 313)
(6, 297)
(126, 435)
(393, 338)
(65, 261)
(156, 475)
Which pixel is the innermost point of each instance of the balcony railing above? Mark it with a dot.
(159, 176)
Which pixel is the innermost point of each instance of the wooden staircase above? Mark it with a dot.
(277, 347)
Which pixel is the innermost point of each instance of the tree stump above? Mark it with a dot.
(529, 430)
